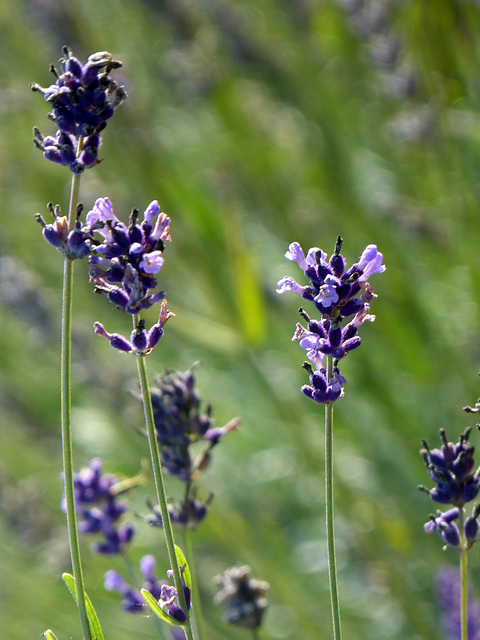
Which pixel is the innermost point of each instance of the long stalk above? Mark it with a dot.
(66, 420)
(160, 489)
(463, 579)
(329, 515)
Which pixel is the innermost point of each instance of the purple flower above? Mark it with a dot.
(337, 294)
(165, 594)
(82, 98)
(141, 341)
(98, 509)
(74, 244)
(124, 262)
(452, 469)
(445, 526)
(180, 423)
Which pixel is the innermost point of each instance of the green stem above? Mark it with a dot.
(329, 517)
(66, 415)
(198, 617)
(463, 579)
(160, 489)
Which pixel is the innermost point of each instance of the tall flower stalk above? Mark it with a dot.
(82, 98)
(123, 266)
(160, 489)
(337, 294)
(66, 422)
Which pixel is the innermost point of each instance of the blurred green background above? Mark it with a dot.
(254, 123)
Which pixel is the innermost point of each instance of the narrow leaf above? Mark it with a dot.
(49, 635)
(157, 609)
(93, 620)
(183, 562)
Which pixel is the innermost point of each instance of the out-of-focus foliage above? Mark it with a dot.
(254, 123)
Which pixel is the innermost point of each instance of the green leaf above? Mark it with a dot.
(93, 620)
(183, 562)
(157, 609)
(49, 635)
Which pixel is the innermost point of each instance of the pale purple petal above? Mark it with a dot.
(370, 262)
(151, 212)
(152, 262)
(289, 284)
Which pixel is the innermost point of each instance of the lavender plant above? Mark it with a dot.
(457, 483)
(338, 294)
(83, 97)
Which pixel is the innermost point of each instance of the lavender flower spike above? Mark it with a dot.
(126, 259)
(82, 98)
(337, 293)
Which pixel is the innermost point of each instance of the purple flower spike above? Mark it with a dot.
(126, 259)
(452, 469)
(99, 511)
(83, 98)
(336, 294)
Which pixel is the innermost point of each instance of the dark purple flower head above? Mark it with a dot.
(452, 469)
(99, 510)
(334, 291)
(128, 256)
(337, 293)
(180, 423)
(82, 99)
(242, 596)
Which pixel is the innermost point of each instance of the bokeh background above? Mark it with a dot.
(254, 123)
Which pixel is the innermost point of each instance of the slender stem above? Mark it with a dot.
(198, 617)
(66, 414)
(329, 517)
(160, 488)
(463, 579)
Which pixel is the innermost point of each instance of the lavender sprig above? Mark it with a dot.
(83, 97)
(338, 294)
(452, 469)
(122, 266)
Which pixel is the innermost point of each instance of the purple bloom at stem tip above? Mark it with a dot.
(82, 99)
(337, 293)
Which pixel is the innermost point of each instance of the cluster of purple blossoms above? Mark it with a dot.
(124, 263)
(99, 510)
(456, 482)
(337, 293)
(242, 596)
(180, 423)
(165, 594)
(82, 98)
